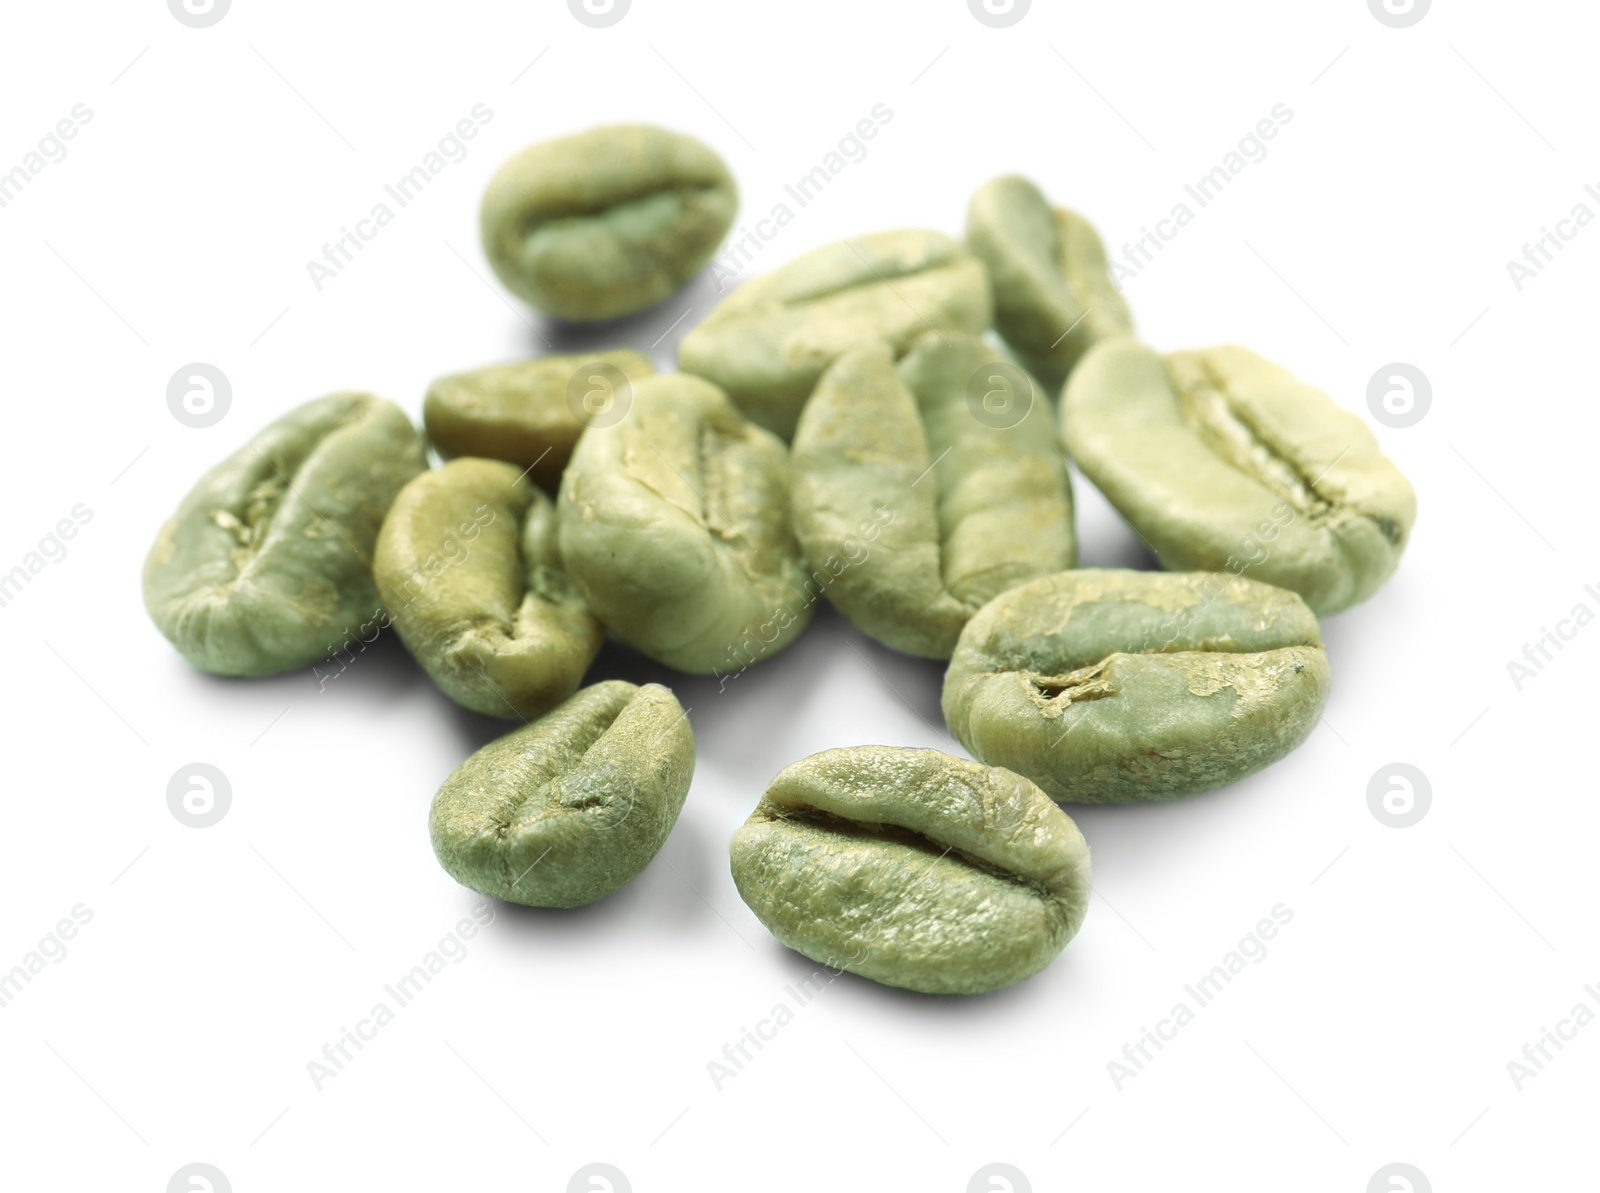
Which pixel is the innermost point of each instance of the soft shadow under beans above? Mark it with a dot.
(932, 1008)
(654, 331)
(738, 718)
(916, 682)
(474, 730)
(1133, 842)
(380, 671)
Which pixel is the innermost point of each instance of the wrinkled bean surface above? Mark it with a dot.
(915, 501)
(266, 565)
(1053, 296)
(1223, 461)
(468, 567)
(608, 221)
(573, 806)
(530, 413)
(1110, 686)
(770, 340)
(913, 868)
(675, 523)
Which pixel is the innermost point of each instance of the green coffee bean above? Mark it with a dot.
(1053, 296)
(531, 413)
(675, 524)
(1109, 686)
(923, 491)
(769, 341)
(266, 565)
(468, 568)
(1223, 461)
(571, 807)
(608, 221)
(914, 869)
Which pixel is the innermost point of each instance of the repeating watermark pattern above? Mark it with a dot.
(51, 151)
(1251, 950)
(1550, 1044)
(199, 395)
(51, 950)
(599, 394)
(599, 14)
(999, 1178)
(399, 994)
(355, 642)
(1543, 251)
(1399, 795)
(451, 150)
(199, 795)
(199, 1178)
(737, 1054)
(999, 14)
(1399, 14)
(752, 646)
(199, 14)
(599, 1178)
(1399, 1178)
(851, 149)
(1399, 395)
(1542, 650)
(999, 395)
(52, 548)
(1250, 150)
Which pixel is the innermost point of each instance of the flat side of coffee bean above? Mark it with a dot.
(675, 523)
(1005, 497)
(916, 503)
(530, 413)
(768, 342)
(608, 221)
(265, 567)
(565, 810)
(1053, 295)
(1223, 461)
(914, 869)
(1110, 686)
(468, 568)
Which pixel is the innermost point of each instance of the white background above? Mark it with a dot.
(219, 961)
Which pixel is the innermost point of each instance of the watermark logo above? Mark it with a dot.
(599, 394)
(1399, 1178)
(1399, 14)
(1399, 395)
(199, 1178)
(999, 1178)
(1399, 795)
(199, 14)
(599, 14)
(999, 395)
(599, 1178)
(199, 395)
(999, 14)
(199, 795)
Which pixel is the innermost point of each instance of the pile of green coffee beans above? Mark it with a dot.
(841, 428)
